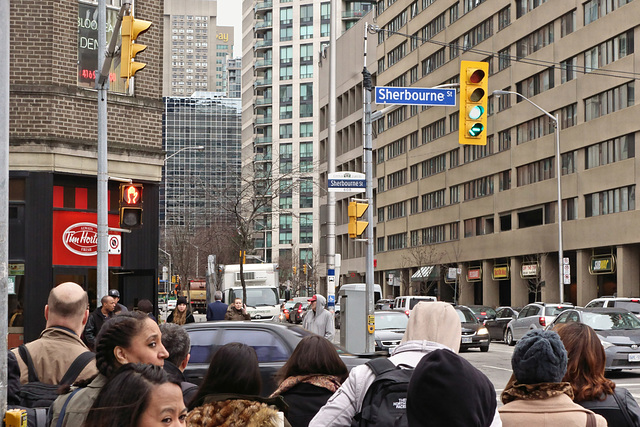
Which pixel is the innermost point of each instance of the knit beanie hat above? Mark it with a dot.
(181, 300)
(446, 390)
(539, 357)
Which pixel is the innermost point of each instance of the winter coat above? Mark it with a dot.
(320, 321)
(432, 327)
(216, 311)
(558, 410)
(52, 355)
(235, 314)
(304, 400)
(188, 317)
(79, 405)
(94, 324)
(189, 390)
(236, 410)
(610, 410)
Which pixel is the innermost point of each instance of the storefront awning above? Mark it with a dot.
(430, 272)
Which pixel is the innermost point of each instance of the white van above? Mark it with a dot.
(406, 303)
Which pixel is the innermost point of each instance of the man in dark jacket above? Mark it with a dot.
(97, 319)
(176, 340)
(217, 309)
(237, 311)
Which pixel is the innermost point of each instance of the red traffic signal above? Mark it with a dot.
(131, 205)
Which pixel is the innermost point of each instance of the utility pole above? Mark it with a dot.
(4, 197)
(331, 162)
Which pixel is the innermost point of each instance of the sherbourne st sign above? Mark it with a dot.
(415, 96)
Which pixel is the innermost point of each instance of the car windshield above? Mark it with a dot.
(555, 310)
(465, 316)
(257, 297)
(611, 321)
(391, 320)
(488, 311)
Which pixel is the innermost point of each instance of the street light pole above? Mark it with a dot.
(558, 174)
(199, 148)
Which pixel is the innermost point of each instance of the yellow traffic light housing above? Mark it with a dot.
(474, 89)
(131, 29)
(294, 270)
(356, 210)
(304, 268)
(131, 205)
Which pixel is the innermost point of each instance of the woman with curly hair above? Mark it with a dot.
(138, 395)
(229, 394)
(130, 337)
(585, 372)
(309, 378)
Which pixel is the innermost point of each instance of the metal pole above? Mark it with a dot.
(331, 161)
(4, 196)
(560, 248)
(558, 176)
(103, 177)
(368, 166)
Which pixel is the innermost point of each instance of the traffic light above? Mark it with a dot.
(473, 102)
(130, 205)
(304, 268)
(131, 29)
(243, 257)
(356, 210)
(294, 270)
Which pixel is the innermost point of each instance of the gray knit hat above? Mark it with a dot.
(539, 357)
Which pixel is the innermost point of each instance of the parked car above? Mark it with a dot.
(406, 303)
(618, 330)
(474, 333)
(533, 316)
(384, 304)
(483, 312)
(390, 327)
(498, 325)
(273, 343)
(297, 312)
(631, 304)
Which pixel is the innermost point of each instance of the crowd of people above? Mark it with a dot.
(137, 376)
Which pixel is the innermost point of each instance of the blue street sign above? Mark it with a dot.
(354, 182)
(415, 96)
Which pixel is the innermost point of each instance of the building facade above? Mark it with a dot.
(233, 78)
(478, 224)
(281, 47)
(53, 157)
(195, 47)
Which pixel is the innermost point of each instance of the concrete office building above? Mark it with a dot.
(195, 47)
(491, 211)
(233, 78)
(282, 43)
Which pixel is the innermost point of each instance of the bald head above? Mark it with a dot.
(67, 306)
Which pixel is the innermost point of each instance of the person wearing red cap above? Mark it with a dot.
(318, 320)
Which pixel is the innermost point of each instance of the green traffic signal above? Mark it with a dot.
(476, 112)
(476, 129)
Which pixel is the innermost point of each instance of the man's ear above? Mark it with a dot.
(85, 317)
(46, 312)
(184, 363)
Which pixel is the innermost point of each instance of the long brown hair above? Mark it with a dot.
(587, 359)
(313, 355)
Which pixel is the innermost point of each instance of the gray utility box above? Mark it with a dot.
(353, 315)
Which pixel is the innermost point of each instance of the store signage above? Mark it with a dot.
(529, 270)
(223, 36)
(474, 274)
(602, 264)
(500, 272)
(75, 239)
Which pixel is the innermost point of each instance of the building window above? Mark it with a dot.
(478, 188)
(504, 18)
(609, 101)
(568, 69)
(535, 41)
(535, 172)
(568, 23)
(454, 194)
(610, 201)
(433, 131)
(433, 200)
(524, 6)
(611, 151)
(609, 51)
(397, 241)
(569, 116)
(286, 131)
(306, 130)
(535, 84)
(533, 129)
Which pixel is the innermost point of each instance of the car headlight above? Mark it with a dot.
(483, 331)
(606, 344)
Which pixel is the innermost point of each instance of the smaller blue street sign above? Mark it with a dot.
(415, 96)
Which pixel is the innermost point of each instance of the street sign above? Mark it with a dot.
(353, 182)
(566, 269)
(415, 96)
(567, 279)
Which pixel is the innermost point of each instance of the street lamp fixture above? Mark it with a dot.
(558, 174)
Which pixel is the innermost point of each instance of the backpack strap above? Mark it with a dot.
(64, 408)
(76, 367)
(26, 357)
(380, 365)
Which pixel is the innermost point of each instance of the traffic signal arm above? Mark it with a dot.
(356, 210)
(474, 78)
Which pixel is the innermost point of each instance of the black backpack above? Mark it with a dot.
(35, 394)
(385, 402)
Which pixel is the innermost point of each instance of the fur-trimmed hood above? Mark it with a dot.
(237, 413)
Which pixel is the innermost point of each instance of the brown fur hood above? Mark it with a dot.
(235, 413)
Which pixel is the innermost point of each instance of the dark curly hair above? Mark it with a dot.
(116, 332)
(126, 396)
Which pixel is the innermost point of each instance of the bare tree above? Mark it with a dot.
(534, 284)
(418, 257)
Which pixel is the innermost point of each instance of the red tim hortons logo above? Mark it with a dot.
(81, 238)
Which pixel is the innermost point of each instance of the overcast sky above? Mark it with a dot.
(230, 14)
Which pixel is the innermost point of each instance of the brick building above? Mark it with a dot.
(53, 153)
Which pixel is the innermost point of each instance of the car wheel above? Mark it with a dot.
(508, 337)
(484, 348)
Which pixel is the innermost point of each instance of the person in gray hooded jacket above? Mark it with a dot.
(318, 320)
(432, 326)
